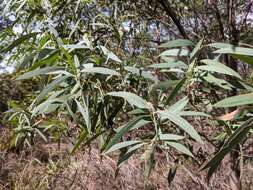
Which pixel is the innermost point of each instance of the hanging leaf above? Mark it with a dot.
(176, 53)
(177, 43)
(170, 137)
(132, 99)
(236, 51)
(140, 72)
(85, 113)
(215, 66)
(171, 64)
(175, 91)
(121, 132)
(182, 123)
(110, 55)
(180, 148)
(121, 145)
(220, 45)
(239, 134)
(100, 70)
(217, 81)
(18, 41)
(50, 87)
(239, 100)
(37, 72)
(129, 153)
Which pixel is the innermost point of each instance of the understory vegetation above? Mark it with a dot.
(129, 94)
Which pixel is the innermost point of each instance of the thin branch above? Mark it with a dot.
(166, 5)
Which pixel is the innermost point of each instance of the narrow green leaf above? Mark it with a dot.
(180, 148)
(37, 72)
(85, 113)
(215, 66)
(129, 153)
(236, 51)
(140, 72)
(182, 123)
(239, 100)
(178, 106)
(196, 49)
(239, 134)
(217, 81)
(83, 135)
(193, 113)
(220, 45)
(175, 91)
(171, 64)
(100, 70)
(170, 137)
(51, 86)
(132, 99)
(121, 145)
(177, 43)
(244, 58)
(176, 53)
(18, 41)
(120, 133)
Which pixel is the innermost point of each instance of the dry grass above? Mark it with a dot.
(49, 166)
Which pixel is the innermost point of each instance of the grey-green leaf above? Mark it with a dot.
(236, 50)
(100, 70)
(180, 148)
(215, 66)
(125, 129)
(141, 72)
(177, 43)
(170, 137)
(176, 53)
(170, 64)
(122, 145)
(182, 123)
(37, 72)
(132, 99)
(239, 100)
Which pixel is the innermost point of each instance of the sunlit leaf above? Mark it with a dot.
(132, 99)
(121, 145)
(239, 100)
(177, 43)
(37, 72)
